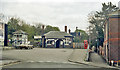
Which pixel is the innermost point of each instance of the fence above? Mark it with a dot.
(78, 45)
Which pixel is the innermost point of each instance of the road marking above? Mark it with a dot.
(31, 61)
(4, 65)
(40, 61)
(48, 61)
(51, 62)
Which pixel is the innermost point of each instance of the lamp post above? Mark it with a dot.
(97, 44)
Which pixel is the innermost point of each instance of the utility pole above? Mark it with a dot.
(43, 38)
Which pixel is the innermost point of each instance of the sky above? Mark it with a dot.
(60, 13)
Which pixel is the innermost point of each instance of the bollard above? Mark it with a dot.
(112, 62)
(117, 63)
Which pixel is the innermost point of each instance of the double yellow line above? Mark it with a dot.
(12, 63)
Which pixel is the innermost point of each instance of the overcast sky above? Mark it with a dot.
(58, 13)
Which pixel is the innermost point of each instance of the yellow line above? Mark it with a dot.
(10, 64)
(1, 66)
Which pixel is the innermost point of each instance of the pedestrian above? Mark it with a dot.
(100, 50)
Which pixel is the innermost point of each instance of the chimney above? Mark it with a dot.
(43, 27)
(76, 28)
(66, 29)
(69, 31)
(76, 31)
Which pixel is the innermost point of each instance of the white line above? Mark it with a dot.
(48, 61)
(52, 62)
(30, 61)
(40, 61)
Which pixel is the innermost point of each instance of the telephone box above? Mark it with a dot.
(85, 44)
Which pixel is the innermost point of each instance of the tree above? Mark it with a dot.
(13, 26)
(50, 28)
(83, 36)
(97, 19)
(39, 29)
(1, 16)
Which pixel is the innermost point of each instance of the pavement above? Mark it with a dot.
(78, 56)
(95, 59)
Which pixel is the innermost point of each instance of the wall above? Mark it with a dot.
(3, 38)
(114, 34)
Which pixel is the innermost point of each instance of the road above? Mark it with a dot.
(39, 54)
(42, 58)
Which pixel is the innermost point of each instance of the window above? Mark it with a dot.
(66, 41)
(49, 42)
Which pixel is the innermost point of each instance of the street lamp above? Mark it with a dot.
(97, 44)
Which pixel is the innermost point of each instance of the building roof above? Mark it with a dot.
(19, 32)
(115, 14)
(56, 34)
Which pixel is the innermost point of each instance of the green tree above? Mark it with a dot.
(97, 19)
(83, 36)
(13, 26)
(30, 30)
(50, 28)
(1, 16)
(39, 29)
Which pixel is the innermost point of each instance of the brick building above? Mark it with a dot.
(112, 38)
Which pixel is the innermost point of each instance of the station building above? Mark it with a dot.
(57, 39)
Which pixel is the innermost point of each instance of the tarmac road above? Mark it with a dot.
(48, 65)
(42, 58)
(38, 54)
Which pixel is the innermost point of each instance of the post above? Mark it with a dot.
(112, 62)
(97, 45)
(43, 41)
(117, 64)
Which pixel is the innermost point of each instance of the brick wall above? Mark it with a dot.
(113, 53)
(114, 41)
(119, 40)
